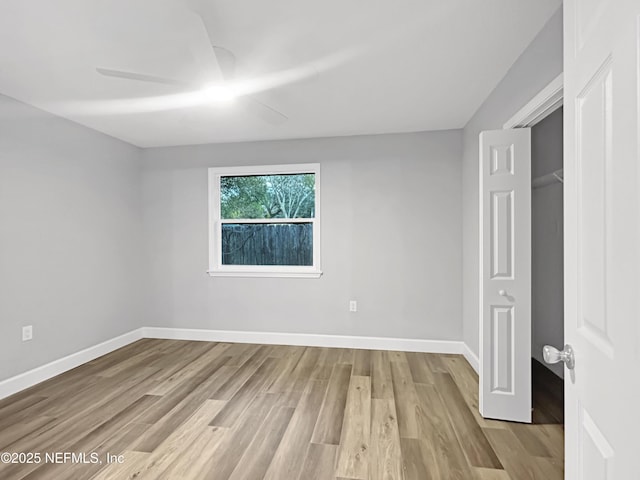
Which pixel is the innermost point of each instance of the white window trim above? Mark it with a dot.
(216, 269)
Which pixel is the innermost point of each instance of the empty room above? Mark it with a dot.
(297, 240)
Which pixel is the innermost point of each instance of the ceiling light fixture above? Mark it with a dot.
(218, 94)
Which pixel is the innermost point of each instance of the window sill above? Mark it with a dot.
(213, 273)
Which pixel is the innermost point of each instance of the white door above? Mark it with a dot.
(505, 274)
(602, 216)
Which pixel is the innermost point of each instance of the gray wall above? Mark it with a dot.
(69, 237)
(391, 239)
(540, 63)
(547, 250)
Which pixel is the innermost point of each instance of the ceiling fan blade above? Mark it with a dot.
(262, 111)
(219, 70)
(108, 72)
(226, 62)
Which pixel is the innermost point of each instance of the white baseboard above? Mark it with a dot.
(472, 358)
(27, 379)
(309, 340)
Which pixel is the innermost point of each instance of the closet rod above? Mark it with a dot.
(548, 179)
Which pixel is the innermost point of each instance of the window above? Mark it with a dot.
(265, 221)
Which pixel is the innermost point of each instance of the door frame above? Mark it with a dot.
(543, 104)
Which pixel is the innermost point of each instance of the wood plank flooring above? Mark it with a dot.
(198, 410)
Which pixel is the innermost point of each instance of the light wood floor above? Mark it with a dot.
(191, 410)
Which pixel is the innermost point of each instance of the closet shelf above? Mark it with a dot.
(548, 179)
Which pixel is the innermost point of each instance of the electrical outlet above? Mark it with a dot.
(353, 306)
(27, 333)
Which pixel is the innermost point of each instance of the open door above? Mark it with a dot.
(602, 219)
(505, 274)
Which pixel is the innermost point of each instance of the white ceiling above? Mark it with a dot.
(368, 66)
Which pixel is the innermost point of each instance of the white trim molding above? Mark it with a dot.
(471, 357)
(547, 101)
(269, 274)
(40, 374)
(311, 340)
(32, 377)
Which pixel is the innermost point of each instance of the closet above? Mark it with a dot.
(547, 296)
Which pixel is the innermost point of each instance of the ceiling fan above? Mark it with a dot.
(223, 92)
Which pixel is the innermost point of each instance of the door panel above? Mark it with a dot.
(593, 139)
(596, 462)
(502, 364)
(505, 274)
(502, 235)
(602, 219)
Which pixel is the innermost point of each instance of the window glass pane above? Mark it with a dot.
(267, 196)
(267, 244)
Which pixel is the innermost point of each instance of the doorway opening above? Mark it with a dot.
(547, 263)
(518, 318)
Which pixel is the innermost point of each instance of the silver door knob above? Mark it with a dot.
(553, 355)
(502, 293)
